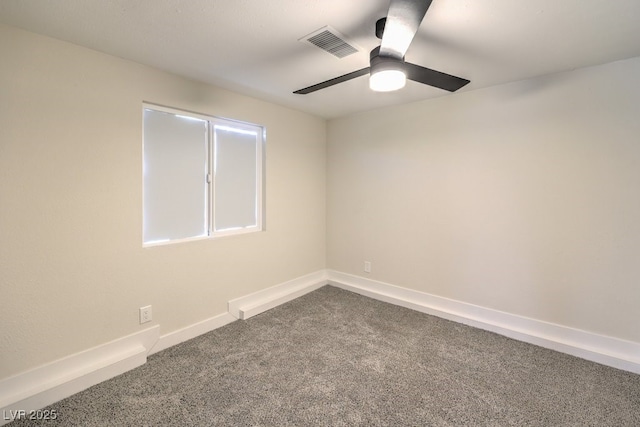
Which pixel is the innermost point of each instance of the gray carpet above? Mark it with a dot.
(336, 358)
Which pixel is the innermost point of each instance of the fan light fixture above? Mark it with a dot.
(387, 80)
(387, 73)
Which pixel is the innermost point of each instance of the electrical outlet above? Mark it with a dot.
(145, 314)
(367, 266)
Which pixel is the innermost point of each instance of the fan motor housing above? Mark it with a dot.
(380, 27)
(379, 62)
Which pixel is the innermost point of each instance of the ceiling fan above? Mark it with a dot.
(387, 66)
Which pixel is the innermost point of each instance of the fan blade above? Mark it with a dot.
(433, 78)
(332, 82)
(403, 20)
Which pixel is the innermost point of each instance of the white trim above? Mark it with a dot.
(191, 331)
(57, 380)
(176, 111)
(602, 349)
(52, 382)
(258, 302)
(47, 384)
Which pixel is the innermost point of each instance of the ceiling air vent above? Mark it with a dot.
(330, 40)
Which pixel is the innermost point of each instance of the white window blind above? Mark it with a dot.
(202, 176)
(235, 190)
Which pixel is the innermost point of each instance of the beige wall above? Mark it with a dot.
(73, 272)
(523, 198)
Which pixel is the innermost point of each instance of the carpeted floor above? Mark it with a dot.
(335, 358)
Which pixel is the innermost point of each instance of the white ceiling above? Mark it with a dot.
(252, 47)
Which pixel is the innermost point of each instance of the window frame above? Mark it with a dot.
(212, 122)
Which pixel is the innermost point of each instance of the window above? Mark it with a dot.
(202, 176)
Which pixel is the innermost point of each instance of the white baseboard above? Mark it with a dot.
(54, 381)
(257, 302)
(602, 349)
(192, 331)
(47, 384)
